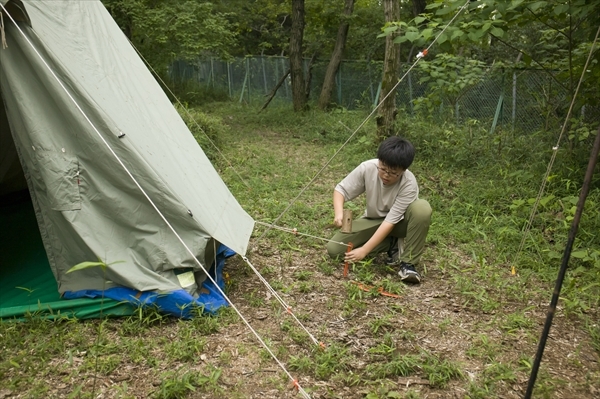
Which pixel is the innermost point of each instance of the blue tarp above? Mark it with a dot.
(177, 303)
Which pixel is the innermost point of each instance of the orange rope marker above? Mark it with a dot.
(368, 288)
(422, 53)
(322, 345)
(350, 246)
(295, 385)
(289, 309)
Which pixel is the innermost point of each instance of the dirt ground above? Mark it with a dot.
(432, 317)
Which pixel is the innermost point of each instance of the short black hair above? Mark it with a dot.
(396, 152)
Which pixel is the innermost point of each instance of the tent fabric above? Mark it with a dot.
(32, 291)
(87, 118)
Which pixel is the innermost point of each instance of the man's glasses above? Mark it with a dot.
(388, 172)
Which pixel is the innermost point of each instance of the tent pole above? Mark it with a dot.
(565, 262)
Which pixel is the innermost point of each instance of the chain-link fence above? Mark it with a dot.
(526, 100)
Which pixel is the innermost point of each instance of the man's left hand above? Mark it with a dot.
(356, 255)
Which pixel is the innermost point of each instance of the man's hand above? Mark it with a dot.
(356, 255)
(338, 208)
(337, 219)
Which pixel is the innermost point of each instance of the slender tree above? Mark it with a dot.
(296, 70)
(336, 56)
(391, 63)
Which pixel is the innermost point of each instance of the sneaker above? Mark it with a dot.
(408, 273)
(393, 252)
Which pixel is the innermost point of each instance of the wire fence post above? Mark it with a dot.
(339, 84)
(262, 59)
(229, 78)
(514, 100)
(287, 93)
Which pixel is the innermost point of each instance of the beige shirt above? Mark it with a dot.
(389, 202)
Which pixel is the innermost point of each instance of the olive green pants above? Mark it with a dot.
(413, 229)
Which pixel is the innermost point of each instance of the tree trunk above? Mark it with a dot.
(309, 75)
(296, 71)
(336, 57)
(391, 63)
(418, 7)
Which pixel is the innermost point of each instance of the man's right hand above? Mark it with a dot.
(338, 208)
(337, 220)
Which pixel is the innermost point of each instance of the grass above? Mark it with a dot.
(470, 330)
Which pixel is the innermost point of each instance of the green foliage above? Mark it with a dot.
(86, 265)
(553, 35)
(438, 371)
(261, 26)
(449, 77)
(164, 31)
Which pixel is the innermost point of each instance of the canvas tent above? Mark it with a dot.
(96, 163)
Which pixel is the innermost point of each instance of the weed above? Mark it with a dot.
(500, 372)
(323, 363)
(255, 299)
(325, 266)
(385, 348)
(412, 394)
(517, 321)
(440, 372)
(384, 391)
(331, 360)
(102, 364)
(380, 323)
(354, 292)
(393, 286)
(348, 379)
(483, 348)
(175, 386)
(351, 307)
(185, 348)
(303, 364)
(407, 335)
(306, 287)
(594, 331)
(478, 391)
(398, 366)
(303, 275)
(207, 324)
(443, 326)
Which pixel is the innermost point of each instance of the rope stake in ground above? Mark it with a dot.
(346, 266)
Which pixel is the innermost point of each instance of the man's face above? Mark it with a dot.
(389, 175)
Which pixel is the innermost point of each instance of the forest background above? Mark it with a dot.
(471, 329)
